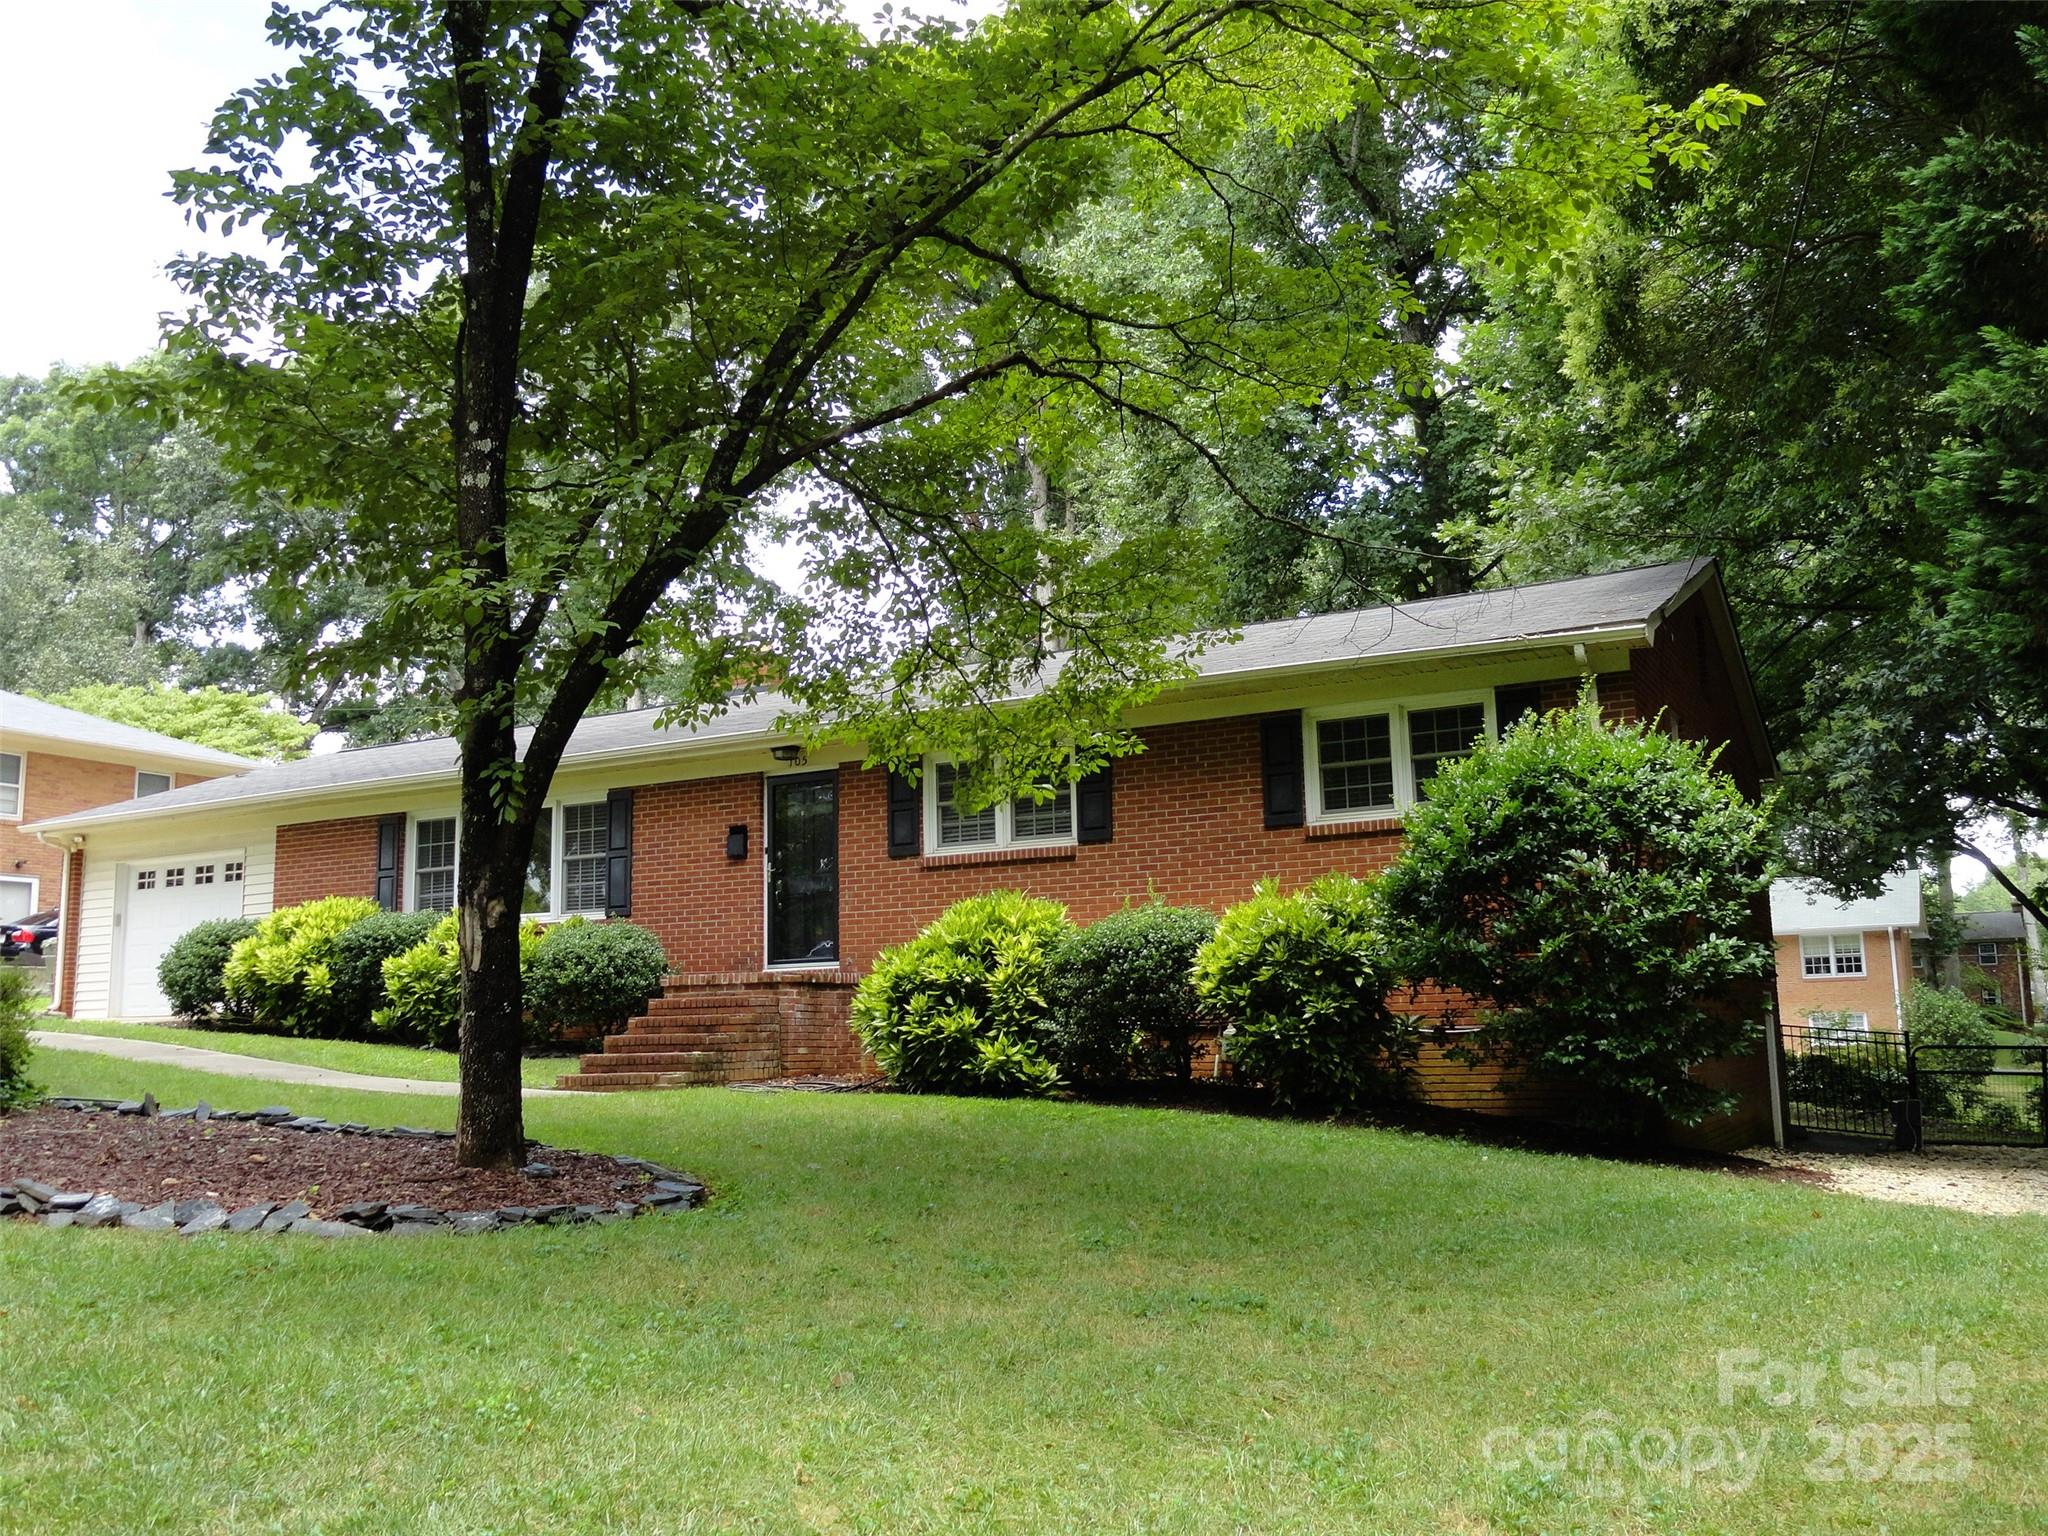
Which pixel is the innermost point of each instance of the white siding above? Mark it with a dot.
(259, 874)
(95, 957)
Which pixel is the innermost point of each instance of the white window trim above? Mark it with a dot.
(1982, 963)
(1005, 837)
(1397, 712)
(20, 787)
(554, 809)
(1834, 972)
(35, 892)
(1854, 1020)
(170, 782)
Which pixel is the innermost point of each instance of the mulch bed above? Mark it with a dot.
(198, 1171)
(240, 1162)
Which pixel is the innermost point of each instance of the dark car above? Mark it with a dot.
(28, 935)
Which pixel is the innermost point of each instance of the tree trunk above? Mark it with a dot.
(490, 1124)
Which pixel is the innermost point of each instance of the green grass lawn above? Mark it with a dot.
(338, 1055)
(938, 1315)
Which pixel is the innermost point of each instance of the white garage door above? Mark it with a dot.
(163, 901)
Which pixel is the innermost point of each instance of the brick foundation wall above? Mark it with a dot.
(327, 858)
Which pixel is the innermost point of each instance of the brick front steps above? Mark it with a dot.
(729, 1027)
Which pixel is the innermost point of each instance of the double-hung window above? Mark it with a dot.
(433, 864)
(1987, 955)
(1373, 760)
(566, 876)
(1025, 821)
(10, 785)
(1831, 954)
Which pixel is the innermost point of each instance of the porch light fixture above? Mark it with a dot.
(736, 841)
(788, 752)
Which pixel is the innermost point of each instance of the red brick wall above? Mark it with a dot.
(327, 858)
(61, 786)
(706, 908)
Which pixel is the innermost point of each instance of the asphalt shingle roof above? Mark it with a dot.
(36, 717)
(1577, 606)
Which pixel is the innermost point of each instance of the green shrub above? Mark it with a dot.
(1122, 994)
(356, 964)
(1303, 981)
(586, 974)
(282, 974)
(1942, 1016)
(1595, 885)
(20, 1001)
(192, 972)
(423, 987)
(961, 1008)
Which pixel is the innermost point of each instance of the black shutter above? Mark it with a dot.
(618, 865)
(1510, 704)
(906, 813)
(1280, 768)
(1093, 815)
(390, 838)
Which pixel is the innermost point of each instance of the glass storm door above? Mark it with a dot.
(803, 869)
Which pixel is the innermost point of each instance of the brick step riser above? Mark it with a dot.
(577, 1083)
(645, 1061)
(735, 1005)
(687, 1040)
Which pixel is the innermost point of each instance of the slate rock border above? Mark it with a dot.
(29, 1199)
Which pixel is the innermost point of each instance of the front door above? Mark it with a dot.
(803, 869)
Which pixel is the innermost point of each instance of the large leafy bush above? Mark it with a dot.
(282, 974)
(19, 1002)
(961, 1008)
(193, 971)
(356, 964)
(1596, 886)
(1303, 981)
(1944, 1016)
(423, 986)
(1122, 994)
(587, 974)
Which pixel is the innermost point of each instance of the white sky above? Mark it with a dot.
(103, 99)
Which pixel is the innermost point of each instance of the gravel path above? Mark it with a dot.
(160, 1053)
(1993, 1181)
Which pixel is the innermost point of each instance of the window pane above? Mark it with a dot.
(1355, 759)
(151, 784)
(1438, 736)
(1848, 954)
(1050, 818)
(586, 832)
(957, 830)
(540, 869)
(10, 783)
(433, 872)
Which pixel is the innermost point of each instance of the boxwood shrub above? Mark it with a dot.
(282, 975)
(961, 1008)
(19, 1001)
(193, 970)
(586, 974)
(357, 963)
(1122, 994)
(1302, 980)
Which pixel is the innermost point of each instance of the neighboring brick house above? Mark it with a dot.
(56, 762)
(773, 881)
(1846, 963)
(1995, 964)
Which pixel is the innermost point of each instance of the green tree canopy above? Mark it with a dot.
(246, 724)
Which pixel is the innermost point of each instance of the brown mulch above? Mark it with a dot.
(241, 1162)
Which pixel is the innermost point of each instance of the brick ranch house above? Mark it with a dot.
(773, 880)
(55, 762)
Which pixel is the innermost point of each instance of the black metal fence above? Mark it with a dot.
(1843, 1081)
(1881, 1084)
(1987, 1095)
